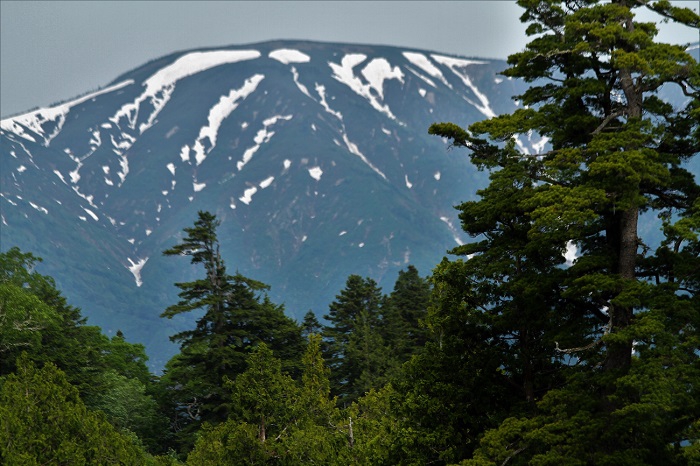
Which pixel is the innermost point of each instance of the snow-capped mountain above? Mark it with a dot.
(314, 156)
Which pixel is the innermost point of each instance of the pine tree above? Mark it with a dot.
(237, 314)
(617, 151)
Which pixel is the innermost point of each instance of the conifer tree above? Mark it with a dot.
(237, 314)
(616, 151)
(273, 419)
(310, 325)
(44, 421)
(403, 314)
(356, 353)
(35, 317)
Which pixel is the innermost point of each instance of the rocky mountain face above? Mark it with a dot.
(314, 156)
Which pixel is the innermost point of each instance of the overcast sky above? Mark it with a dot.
(55, 50)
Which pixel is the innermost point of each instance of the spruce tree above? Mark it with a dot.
(356, 353)
(310, 325)
(403, 314)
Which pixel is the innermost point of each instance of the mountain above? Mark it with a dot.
(314, 156)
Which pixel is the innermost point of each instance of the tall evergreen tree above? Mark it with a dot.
(617, 150)
(237, 314)
(403, 314)
(356, 353)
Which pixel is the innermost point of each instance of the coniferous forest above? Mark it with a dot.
(507, 353)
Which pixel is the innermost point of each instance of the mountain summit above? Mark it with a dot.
(314, 156)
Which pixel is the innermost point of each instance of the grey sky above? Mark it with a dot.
(55, 50)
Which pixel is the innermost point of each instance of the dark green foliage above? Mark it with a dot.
(457, 387)
(36, 309)
(275, 420)
(403, 314)
(44, 421)
(236, 315)
(357, 355)
(310, 325)
(508, 354)
(616, 152)
(110, 374)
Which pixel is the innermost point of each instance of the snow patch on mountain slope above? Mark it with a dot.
(217, 114)
(267, 182)
(160, 86)
(453, 230)
(571, 253)
(39, 208)
(458, 66)
(96, 139)
(60, 175)
(124, 165)
(352, 147)
(35, 120)
(302, 88)
(91, 214)
(287, 56)
(248, 195)
(315, 173)
(89, 198)
(2, 195)
(185, 153)
(264, 135)
(539, 146)
(424, 78)
(424, 63)
(17, 129)
(321, 89)
(379, 71)
(136, 267)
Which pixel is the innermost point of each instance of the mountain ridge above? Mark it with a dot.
(314, 156)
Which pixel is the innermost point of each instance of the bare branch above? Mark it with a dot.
(516, 452)
(593, 344)
(580, 348)
(607, 120)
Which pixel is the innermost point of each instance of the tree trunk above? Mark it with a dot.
(262, 433)
(619, 357)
